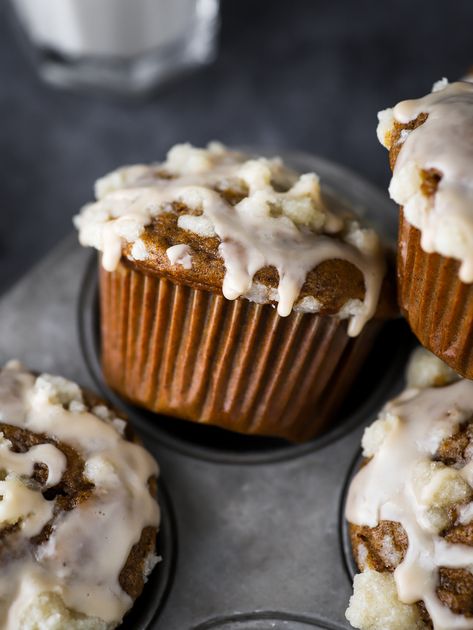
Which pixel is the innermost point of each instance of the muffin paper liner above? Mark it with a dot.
(437, 305)
(195, 355)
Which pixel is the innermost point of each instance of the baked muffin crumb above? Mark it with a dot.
(48, 612)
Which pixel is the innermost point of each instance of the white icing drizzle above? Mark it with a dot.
(291, 231)
(443, 142)
(83, 557)
(394, 486)
(466, 514)
(180, 255)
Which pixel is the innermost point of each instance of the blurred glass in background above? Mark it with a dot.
(122, 46)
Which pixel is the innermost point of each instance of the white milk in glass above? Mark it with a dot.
(114, 30)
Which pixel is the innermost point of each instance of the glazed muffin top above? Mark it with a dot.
(78, 518)
(411, 507)
(218, 220)
(431, 152)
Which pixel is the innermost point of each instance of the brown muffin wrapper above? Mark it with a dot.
(437, 305)
(195, 355)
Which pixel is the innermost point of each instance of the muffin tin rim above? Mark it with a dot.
(162, 576)
(225, 621)
(348, 558)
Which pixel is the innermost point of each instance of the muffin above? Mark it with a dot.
(233, 293)
(78, 515)
(410, 507)
(431, 154)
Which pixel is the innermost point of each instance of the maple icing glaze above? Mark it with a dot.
(88, 546)
(280, 221)
(444, 142)
(180, 255)
(401, 482)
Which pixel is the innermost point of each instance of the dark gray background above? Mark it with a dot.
(304, 74)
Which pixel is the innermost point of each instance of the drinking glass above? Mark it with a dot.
(126, 46)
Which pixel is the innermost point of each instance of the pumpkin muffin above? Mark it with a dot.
(233, 292)
(410, 507)
(78, 515)
(431, 155)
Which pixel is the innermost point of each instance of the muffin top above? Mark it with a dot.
(78, 518)
(431, 146)
(218, 220)
(411, 507)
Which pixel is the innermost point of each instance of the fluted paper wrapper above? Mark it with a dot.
(437, 305)
(195, 355)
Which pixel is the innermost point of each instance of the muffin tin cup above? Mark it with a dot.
(149, 604)
(437, 305)
(263, 621)
(344, 526)
(193, 354)
(213, 444)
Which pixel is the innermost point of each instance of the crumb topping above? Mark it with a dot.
(410, 506)
(75, 501)
(432, 156)
(262, 214)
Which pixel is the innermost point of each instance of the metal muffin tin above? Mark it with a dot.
(252, 536)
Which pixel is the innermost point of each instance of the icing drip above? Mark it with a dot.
(180, 255)
(443, 143)
(402, 483)
(280, 221)
(89, 544)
